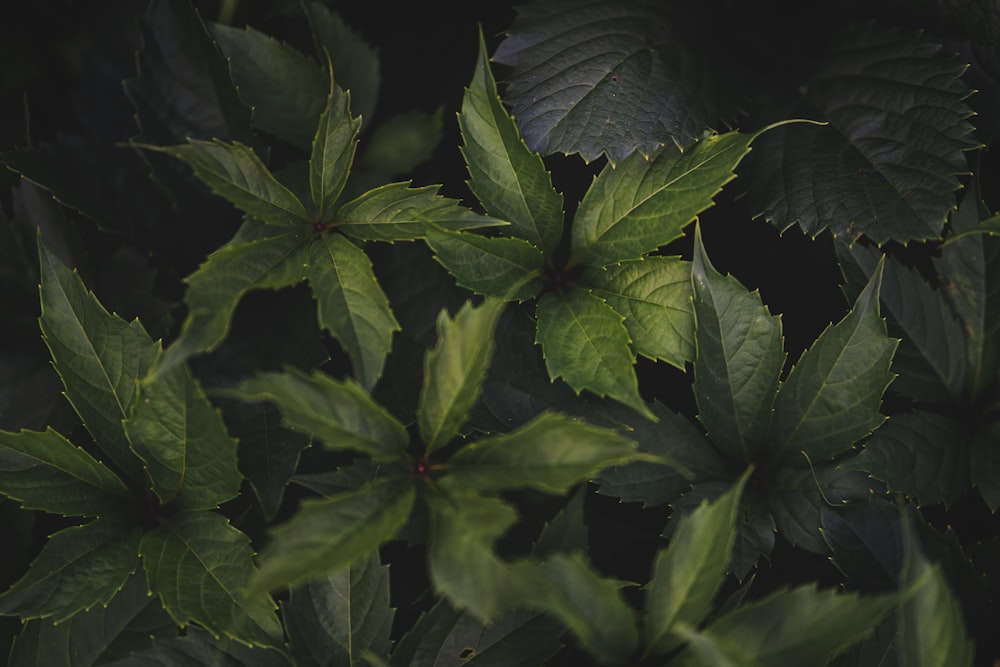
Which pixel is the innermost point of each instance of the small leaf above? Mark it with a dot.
(44, 471)
(395, 148)
(329, 534)
(551, 453)
(985, 460)
(508, 179)
(332, 151)
(585, 343)
(200, 565)
(454, 370)
(508, 268)
(567, 531)
(78, 568)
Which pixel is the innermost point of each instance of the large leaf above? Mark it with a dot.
(351, 305)
(99, 357)
(200, 566)
(189, 458)
(343, 618)
(44, 471)
(832, 396)
(508, 179)
(585, 343)
(888, 161)
(509, 268)
(605, 77)
(332, 152)
(738, 360)
(551, 453)
(454, 370)
(329, 534)
(78, 568)
(645, 202)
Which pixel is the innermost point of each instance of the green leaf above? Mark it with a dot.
(395, 148)
(985, 465)
(44, 471)
(550, 453)
(454, 370)
(338, 412)
(654, 295)
(831, 397)
(234, 172)
(342, 618)
(199, 648)
(585, 343)
(99, 357)
(689, 572)
(508, 179)
(509, 268)
(200, 566)
(606, 77)
(284, 88)
(645, 202)
(189, 458)
(332, 152)
(887, 164)
(351, 305)
(567, 531)
(738, 361)
(329, 534)
(397, 212)
(78, 568)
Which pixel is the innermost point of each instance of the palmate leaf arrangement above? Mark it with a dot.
(158, 571)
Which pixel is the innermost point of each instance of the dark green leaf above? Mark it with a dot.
(395, 148)
(332, 152)
(567, 531)
(985, 460)
(509, 268)
(198, 648)
(866, 540)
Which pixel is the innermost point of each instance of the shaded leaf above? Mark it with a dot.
(332, 152)
(395, 148)
(985, 460)
(198, 648)
(567, 531)
(866, 541)
(508, 268)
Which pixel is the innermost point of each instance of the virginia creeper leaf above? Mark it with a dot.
(585, 343)
(351, 305)
(508, 268)
(78, 568)
(332, 151)
(200, 566)
(550, 453)
(329, 534)
(98, 355)
(44, 471)
(454, 370)
(985, 460)
(394, 148)
(508, 179)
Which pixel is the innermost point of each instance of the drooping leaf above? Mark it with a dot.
(44, 471)
(78, 568)
(351, 305)
(550, 453)
(342, 618)
(98, 355)
(887, 164)
(603, 77)
(454, 370)
(585, 343)
(509, 268)
(832, 396)
(654, 296)
(283, 86)
(339, 413)
(329, 534)
(508, 179)
(200, 566)
(332, 152)
(985, 465)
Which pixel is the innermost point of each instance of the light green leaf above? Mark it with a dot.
(738, 361)
(397, 212)
(831, 397)
(329, 534)
(189, 458)
(985, 464)
(654, 295)
(646, 201)
(550, 453)
(200, 566)
(454, 370)
(234, 172)
(342, 618)
(78, 568)
(332, 151)
(689, 572)
(585, 343)
(338, 412)
(508, 179)
(509, 268)
(351, 305)
(98, 355)
(44, 471)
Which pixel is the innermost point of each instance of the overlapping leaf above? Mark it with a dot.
(503, 267)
